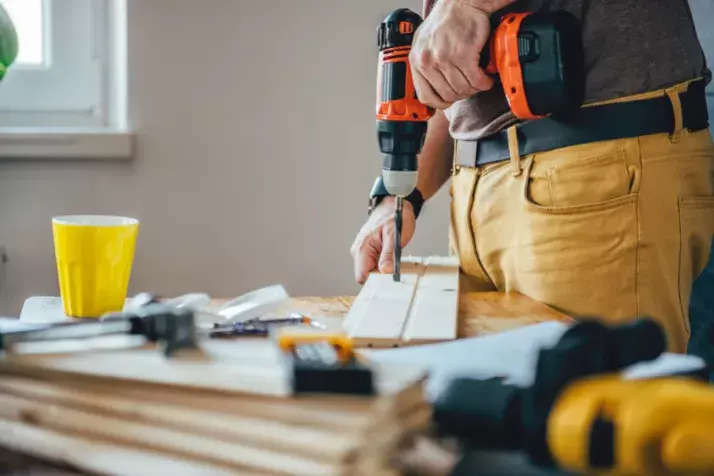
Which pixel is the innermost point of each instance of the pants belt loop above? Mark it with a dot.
(513, 151)
(673, 94)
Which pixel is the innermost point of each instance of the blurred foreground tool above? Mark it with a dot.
(323, 362)
(580, 416)
(173, 329)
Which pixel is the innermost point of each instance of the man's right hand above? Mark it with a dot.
(447, 49)
(373, 247)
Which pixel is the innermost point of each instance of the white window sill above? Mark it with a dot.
(66, 143)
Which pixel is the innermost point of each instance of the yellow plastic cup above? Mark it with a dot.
(94, 255)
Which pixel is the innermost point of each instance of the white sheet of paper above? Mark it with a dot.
(511, 355)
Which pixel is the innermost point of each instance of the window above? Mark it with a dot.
(29, 21)
(69, 74)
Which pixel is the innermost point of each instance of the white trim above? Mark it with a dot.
(31, 143)
(76, 134)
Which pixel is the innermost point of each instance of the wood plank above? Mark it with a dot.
(322, 411)
(193, 447)
(435, 311)
(380, 312)
(221, 367)
(99, 457)
(423, 307)
(340, 444)
(333, 445)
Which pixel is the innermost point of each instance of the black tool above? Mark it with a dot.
(494, 415)
(173, 329)
(324, 362)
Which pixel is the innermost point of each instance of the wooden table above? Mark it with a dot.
(479, 314)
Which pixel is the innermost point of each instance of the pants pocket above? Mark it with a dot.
(582, 182)
(580, 258)
(696, 232)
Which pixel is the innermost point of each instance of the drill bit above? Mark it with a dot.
(398, 239)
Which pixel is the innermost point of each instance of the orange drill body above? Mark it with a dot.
(401, 107)
(539, 60)
(401, 117)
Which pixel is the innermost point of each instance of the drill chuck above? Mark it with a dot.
(400, 142)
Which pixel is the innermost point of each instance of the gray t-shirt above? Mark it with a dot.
(630, 47)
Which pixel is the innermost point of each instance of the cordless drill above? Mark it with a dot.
(401, 117)
(537, 56)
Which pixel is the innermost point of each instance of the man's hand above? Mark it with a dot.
(446, 52)
(374, 246)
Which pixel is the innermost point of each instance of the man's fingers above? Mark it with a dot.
(459, 83)
(425, 92)
(386, 257)
(438, 82)
(366, 257)
(477, 78)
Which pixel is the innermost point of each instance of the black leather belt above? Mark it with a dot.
(590, 124)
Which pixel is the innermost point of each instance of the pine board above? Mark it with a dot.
(423, 307)
(251, 368)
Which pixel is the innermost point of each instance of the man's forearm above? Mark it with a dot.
(436, 157)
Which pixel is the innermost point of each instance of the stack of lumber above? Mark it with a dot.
(421, 308)
(225, 410)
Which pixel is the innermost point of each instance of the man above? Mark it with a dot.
(614, 222)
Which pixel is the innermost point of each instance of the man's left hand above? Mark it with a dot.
(446, 52)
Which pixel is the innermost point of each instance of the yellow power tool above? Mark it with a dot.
(582, 416)
(610, 426)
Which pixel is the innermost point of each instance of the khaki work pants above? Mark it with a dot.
(612, 230)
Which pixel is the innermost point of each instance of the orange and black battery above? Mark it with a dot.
(538, 57)
(401, 117)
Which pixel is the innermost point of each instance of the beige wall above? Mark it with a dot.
(256, 151)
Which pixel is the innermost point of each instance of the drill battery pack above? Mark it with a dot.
(539, 59)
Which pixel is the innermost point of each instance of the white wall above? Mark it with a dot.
(256, 153)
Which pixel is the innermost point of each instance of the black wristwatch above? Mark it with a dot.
(379, 193)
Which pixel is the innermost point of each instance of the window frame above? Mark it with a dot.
(76, 105)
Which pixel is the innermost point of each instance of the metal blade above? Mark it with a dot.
(398, 240)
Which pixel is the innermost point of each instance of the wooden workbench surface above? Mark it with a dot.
(479, 313)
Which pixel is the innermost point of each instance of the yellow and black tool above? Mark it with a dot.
(581, 415)
(658, 427)
(323, 362)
